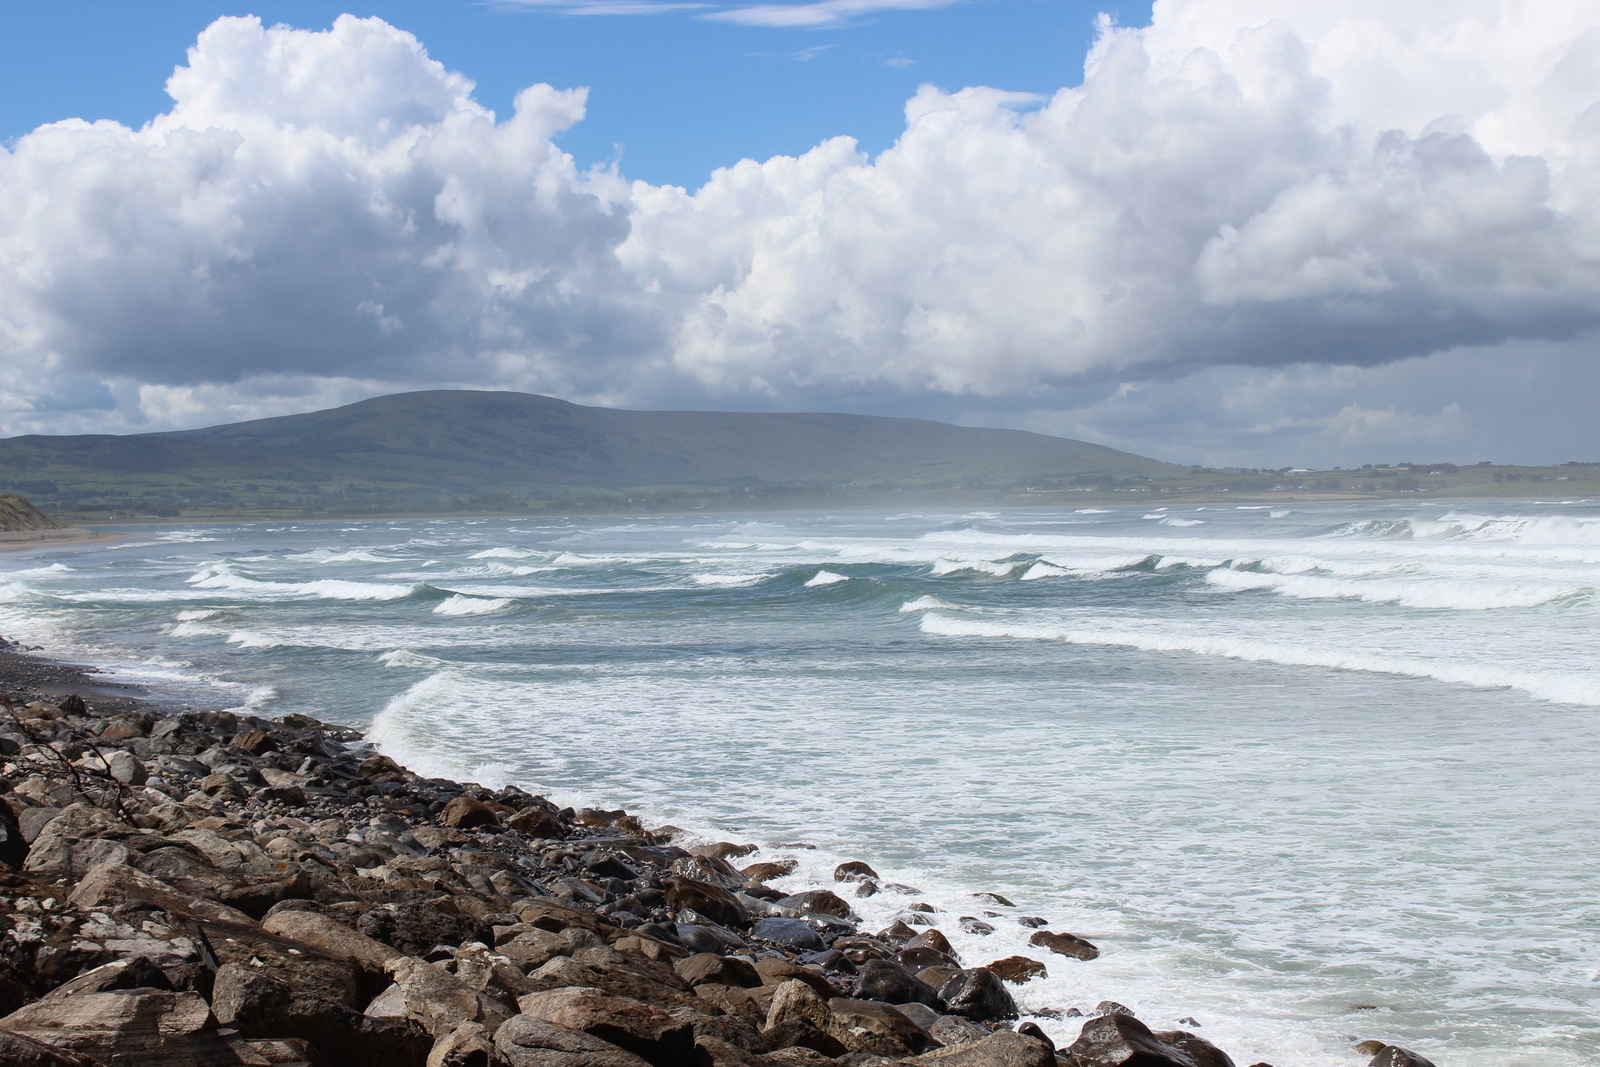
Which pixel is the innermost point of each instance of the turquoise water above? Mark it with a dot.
(1275, 762)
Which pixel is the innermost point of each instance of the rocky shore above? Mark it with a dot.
(189, 888)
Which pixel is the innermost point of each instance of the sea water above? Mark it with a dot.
(1307, 775)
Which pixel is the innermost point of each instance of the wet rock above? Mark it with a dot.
(722, 850)
(1032, 1030)
(890, 983)
(536, 823)
(974, 925)
(918, 959)
(994, 898)
(1033, 922)
(951, 1030)
(935, 940)
(528, 1042)
(710, 871)
(791, 933)
(1018, 969)
(979, 995)
(854, 871)
(799, 1016)
(1118, 1040)
(1201, 1051)
(1005, 1048)
(1111, 1007)
(1065, 945)
(765, 872)
(700, 937)
(633, 1026)
(1395, 1056)
(714, 902)
(821, 901)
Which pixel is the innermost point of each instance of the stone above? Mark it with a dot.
(974, 925)
(124, 768)
(890, 983)
(223, 787)
(1203, 1052)
(1395, 1056)
(790, 933)
(466, 812)
(260, 1006)
(19, 1051)
(1004, 1048)
(821, 901)
(537, 823)
(951, 1030)
(1111, 1007)
(706, 968)
(885, 1020)
(316, 929)
(1118, 1040)
(979, 995)
(917, 959)
(775, 972)
(714, 902)
(631, 1025)
(439, 1001)
(255, 742)
(125, 1027)
(528, 1042)
(1065, 945)
(32, 822)
(708, 870)
(853, 871)
(935, 940)
(416, 928)
(468, 1045)
(1018, 969)
(110, 884)
(765, 872)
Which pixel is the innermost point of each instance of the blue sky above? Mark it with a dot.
(1237, 232)
(678, 93)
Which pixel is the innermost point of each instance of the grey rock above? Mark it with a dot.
(527, 1042)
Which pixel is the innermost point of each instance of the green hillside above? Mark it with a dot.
(456, 450)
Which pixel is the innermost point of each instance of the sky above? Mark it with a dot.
(1232, 232)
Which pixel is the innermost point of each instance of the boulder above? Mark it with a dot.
(415, 928)
(260, 1006)
(1065, 945)
(439, 1001)
(821, 901)
(979, 995)
(707, 968)
(468, 1045)
(853, 871)
(790, 933)
(465, 812)
(125, 1027)
(1203, 1052)
(890, 983)
(798, 1016)
(885, 1020)
(1118, 1040)
(951, 1030)
(1004, 1048)
(766, 872)
(528, 1042)
(19, 1051)
(1395, 1056)
(1018, 969)
(931, 939)
(110, 884)
(631, 1025)
(775, 972)
(316, 929)
(714, 902)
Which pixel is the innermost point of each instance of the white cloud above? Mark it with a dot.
(820, 13)
(1296, 186)
(604, 7)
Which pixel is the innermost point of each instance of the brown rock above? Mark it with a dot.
(1395, 1056)
(821, 901)
(259, 1006)
(714, 902)
(439, 1001)
(709, 968)
(111, 884)
(1065, 945)
(125, 1028)
(1018, 969)
(466, 812)
(1118, 1040)
(775, 972)
(19, 1051)
(882, 1019)
(1005, 1048)
(535, 822)
(765, 872)
(853, 871)
(631, 1025)
(527, 1042)
(316, 929)
(1203, 1052)
(468, 1045)
(932, 939)
(255, 742)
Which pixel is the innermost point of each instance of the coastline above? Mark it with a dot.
(316, 903)
(20, 540)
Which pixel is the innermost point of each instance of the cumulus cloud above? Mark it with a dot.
(1288, 185)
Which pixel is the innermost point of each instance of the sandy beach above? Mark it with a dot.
(19, 540)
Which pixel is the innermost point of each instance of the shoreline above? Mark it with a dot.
(22, 540)
(445, 920)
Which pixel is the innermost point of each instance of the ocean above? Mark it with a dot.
(1307, 774)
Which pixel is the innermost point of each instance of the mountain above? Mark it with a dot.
(411, 445)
